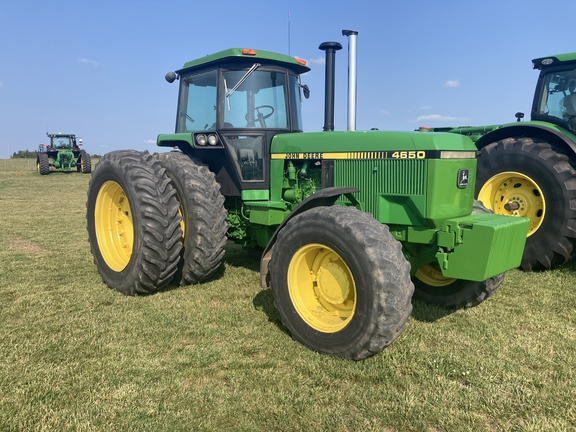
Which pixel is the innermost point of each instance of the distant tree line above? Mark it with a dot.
(24, 154)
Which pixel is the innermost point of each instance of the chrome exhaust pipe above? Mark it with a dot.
(352, 80)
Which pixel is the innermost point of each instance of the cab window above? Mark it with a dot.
(559, 95)
(197, 104)
(255, 99)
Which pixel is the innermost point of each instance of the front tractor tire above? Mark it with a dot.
(133, 223)
(340, 282)
(203, 214)
(525, 178)
(43, 164)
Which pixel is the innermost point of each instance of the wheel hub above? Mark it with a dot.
(333, 284)
(515, 194)
(322, 288)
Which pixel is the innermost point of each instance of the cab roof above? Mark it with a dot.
(553, 60)
(242, 55)
(59, 134)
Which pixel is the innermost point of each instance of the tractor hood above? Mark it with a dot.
(327, 145)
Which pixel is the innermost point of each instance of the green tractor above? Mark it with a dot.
(350, 225)
(62, 153)
(528, 168)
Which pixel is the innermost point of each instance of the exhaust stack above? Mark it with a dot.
(330, 48)
(352, 36)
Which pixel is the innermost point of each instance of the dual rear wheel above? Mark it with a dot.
(146, 225)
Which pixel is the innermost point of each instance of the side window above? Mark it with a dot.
(197, 105)
(559, 98)
(295, 103)
(552, 100)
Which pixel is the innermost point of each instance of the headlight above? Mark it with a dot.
(212, 139)
(201, 139)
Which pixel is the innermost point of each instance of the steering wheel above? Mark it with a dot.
(261, 117)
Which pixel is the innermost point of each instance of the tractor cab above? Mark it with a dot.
(230, 106)
(555, 96)
(62, 142)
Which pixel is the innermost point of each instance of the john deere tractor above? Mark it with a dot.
(528, 168)
(350, 224)
(62, 153)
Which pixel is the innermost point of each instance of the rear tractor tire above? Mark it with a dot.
(430, 286)
(43, 164)
(525, 178)
(84, 164)
(133, 223)
(340, 282)
(203, 214)
(433, 288)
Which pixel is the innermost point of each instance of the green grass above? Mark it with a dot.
(75, 355)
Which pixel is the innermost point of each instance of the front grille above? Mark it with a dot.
(381, 177)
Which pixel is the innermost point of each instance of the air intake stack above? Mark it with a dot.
(330, 48)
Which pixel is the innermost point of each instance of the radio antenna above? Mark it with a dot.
(288, 32)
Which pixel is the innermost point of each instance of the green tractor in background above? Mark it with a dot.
(62, 153)
(350, 225)
(528, 168)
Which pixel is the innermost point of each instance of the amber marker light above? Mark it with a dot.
(300, 61)
(248, 51)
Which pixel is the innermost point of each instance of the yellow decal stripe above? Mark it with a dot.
(333, 155)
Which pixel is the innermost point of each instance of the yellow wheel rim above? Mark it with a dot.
(321, 288)
(182, 222)
(515, 194)
(431, 275)
(114, 226)
(38, 166)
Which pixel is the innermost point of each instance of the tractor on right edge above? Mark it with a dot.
(527, 168)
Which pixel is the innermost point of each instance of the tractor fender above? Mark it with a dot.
(323, 197)
(565, 139)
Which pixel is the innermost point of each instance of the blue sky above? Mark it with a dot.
(96, 68)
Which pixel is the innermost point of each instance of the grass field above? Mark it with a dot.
(75, 355)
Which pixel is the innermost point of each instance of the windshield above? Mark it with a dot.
(258, 102)
(62, 142)
(558, 97)
(250, 98)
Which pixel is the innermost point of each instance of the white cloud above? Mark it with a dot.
(318, 61)
(425, 107)
(452, 83)
(150, 141)
(385, 112)
(88, 62)
(440, 118)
